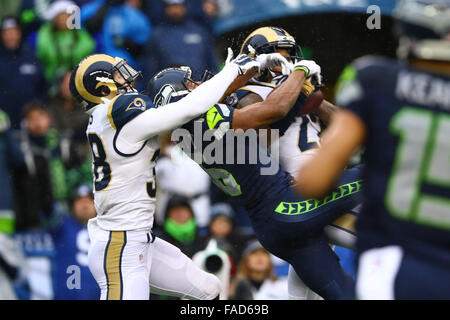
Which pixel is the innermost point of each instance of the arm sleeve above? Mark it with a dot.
(157, 120)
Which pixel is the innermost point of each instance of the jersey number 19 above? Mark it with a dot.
(422, 156)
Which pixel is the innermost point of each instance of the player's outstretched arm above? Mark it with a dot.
(325, 111)
(173, 115)
(339, 142)
(279, 102)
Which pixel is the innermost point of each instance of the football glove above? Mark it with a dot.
(270, 60)
(311, 69)
(243, 61)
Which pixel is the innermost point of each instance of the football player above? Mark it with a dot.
(124, 256)
(289, 226)
(400, 111)
(301, 139)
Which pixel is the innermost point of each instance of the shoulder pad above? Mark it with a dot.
(218, 114)
(126, 107)
(372, 61)
(371, 67)
(368, 70)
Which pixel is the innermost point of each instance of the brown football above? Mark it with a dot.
(312, 103)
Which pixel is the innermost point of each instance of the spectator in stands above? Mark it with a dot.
(255, 277)
(121, 27)
(202, 11)
(211, 8)
(29, 18)
(42, 181)
(80, 173)
(221, 228)
(22, 79)
(180, 228)
(177, 174)
(11, 258)
(9, 8)
(154, 10)
(60, 47)
(10, 157)
(69, 118)
(74, 281)
(205, 12)
(180, 41)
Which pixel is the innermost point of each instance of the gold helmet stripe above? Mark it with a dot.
(79, 85)
(271, 34)
(267, 32)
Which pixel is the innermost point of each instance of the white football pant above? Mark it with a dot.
(129, 265)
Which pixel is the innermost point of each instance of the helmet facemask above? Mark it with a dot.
(294, 54)
(124, 75)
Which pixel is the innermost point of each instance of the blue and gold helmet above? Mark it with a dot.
(92, 80)
(269, 40)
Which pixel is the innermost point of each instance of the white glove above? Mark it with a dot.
(270, 60)
(243, 61)
(311, 69)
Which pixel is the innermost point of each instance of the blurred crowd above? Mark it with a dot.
(45, 161)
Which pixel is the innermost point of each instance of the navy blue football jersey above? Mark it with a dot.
(407, 177)
(234, 159)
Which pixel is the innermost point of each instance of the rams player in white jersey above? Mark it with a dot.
(126, 260)
(301, 140)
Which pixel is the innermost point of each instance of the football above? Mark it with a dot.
(312, 103)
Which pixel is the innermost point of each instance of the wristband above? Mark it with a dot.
(305, 69)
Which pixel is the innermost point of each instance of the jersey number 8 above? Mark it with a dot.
(102, 169)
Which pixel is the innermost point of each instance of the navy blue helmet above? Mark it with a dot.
(423, 29)
(169, 85)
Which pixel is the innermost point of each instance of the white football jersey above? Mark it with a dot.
(299, 142)
(124, 178)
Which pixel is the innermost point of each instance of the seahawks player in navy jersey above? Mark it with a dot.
(400, 110)
(300, 138)
(289, 226)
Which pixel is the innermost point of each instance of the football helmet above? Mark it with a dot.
(92, 80)
(95, 77)
(269, 40)
(423, 29)
(170, 85)
(128, 75)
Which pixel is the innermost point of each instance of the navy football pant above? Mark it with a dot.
(293, 231)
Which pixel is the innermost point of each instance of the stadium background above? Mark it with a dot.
(51, 241)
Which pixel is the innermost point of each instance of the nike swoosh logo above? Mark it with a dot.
(215, 115)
